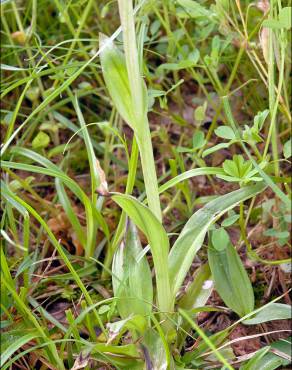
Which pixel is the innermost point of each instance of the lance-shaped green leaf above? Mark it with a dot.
(158, 241)
(117, 82)
(132, 282)
(192, 236)
(231, 280)
(273, 311)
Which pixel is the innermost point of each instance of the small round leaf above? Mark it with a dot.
(220, 239)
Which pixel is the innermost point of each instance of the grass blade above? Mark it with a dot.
(60, 251)
(18, 343)
(206, 339)
(273, 311)
(189, 174)
(92, 212)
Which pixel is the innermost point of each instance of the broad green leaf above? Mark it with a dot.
(42, 140)
(158, 241)
(152, 93)
(104, 309)
(129, 93)
(116, 78)
(117, 81)
(198, 140)
(239, 170)
(131, 276)
(192, 236)
(225, 132)
(133, 50)
(220, 239)
(231, 280)
(251, 136)
(182, 149)
(273, 311)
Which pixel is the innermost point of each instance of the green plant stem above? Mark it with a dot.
(149, 172)
(274, 100)
(142, 130)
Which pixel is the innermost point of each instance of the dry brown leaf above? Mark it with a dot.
(81, 361)
(103, 187)
(78, 246)
(264, 42)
